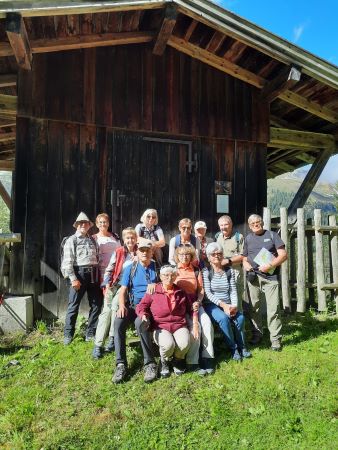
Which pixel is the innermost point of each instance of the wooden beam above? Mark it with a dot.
(309, 183)
(8, 103)
(215, 61)
(166, 30)
(8, 124)
(284, 166)
(282, 123)
(7, 137)
(310, 106)
(7, 166)
(8, 79)
(5, 196)
(280, 84)
(18, 38)
(300, 139)
(85, 41)
(305, 158)
(191, 28)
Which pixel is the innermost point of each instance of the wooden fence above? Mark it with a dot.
(312, 265)
(6, 240)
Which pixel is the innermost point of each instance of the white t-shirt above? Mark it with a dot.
(107, 247)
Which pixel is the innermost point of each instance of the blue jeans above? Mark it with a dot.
(225, 323)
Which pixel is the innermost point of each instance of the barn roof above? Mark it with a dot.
(300, 87)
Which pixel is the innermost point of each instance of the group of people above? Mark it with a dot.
(173, 304)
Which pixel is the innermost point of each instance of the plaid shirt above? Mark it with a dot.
(81, 253)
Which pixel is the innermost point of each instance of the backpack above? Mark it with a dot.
(237, 239)
(178, 240)
(227, 271)
(148, 234)
(62, 247)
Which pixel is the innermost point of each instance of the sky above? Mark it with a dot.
(310, 24)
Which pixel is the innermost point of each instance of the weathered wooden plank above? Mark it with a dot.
(309, 105)
(191, 28)
(18, 39)
(334, 257)
(5, 196)
(267, 218)
(319, 261)
(300, 139)
(280, 84)
(215, 61)
(89, 86)
(285, 265)
(301, 265)
(7, 137)
(215, 42)
(8, 79)
(167, 27)
(7, 165)
(310, 263)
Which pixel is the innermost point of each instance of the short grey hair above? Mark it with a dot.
(254, 217)
(213, 247)
(168, 269)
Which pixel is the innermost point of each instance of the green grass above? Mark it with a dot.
(57, 397)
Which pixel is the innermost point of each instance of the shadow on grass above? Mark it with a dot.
(299, 328)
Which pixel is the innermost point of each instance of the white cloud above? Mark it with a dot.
(297, 32)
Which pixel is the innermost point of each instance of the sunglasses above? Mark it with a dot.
(151, 217)
(185, 245)
(216, 254)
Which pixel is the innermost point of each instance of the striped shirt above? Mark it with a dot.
(219, 289)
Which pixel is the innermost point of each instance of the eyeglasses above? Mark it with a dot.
(151, 217)
(215, 254)
(256, 223)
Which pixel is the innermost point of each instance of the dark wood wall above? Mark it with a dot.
(77, 108)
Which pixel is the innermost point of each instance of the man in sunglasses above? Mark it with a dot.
(184, 238)
(137, 279)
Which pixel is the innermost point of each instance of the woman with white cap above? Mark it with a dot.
(200, 229)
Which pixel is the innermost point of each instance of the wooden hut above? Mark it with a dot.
(122, 105)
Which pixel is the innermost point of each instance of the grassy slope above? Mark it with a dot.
(59, 398)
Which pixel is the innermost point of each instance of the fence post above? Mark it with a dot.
(301, 265)
(334, 256)
(267, 219)
(319, 260)
(285, 265)
(310, 267)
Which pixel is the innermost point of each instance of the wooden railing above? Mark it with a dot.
(311, 272)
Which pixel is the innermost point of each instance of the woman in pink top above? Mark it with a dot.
(107, 242)
(189, 278)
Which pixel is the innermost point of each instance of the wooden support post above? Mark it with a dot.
(166, 30)
(310, 266)
(334, 257)
(319, 261)
(293, 271)
(267, 218)
(308, 183)
(285, 265)
(18, 38)
(301, 265)
(5, 197)
(280, 84)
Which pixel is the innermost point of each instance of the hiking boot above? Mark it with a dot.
(165, 369)
(150, 372)
(120, 373)
(97, 352)
(276, 345)
(110, 346)
(67, 340)
(208, 365)
(179, 367)
(245, 353)
(236, 356)
(89, 338)
(195, 368)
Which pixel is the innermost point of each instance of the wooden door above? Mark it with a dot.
(150, 172)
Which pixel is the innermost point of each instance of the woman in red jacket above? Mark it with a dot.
(165, 310)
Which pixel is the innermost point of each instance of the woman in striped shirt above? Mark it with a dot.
(222, 303)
